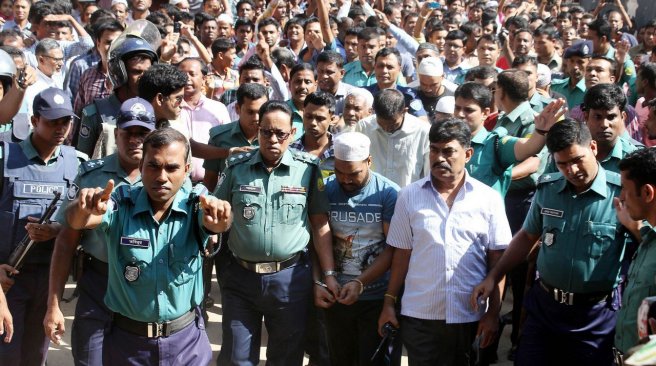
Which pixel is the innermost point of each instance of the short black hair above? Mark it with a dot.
(602, 28)
(514, 84)
(222, 45)
(242, 2)
(309, 21)
(9, 33)
(368, 33)
(244, 22)
(253, 63)
(332, 57)
(449, 130)
(604, 97)
(479, 93)
(283, 56)
(252, 91)
(268, 21)
(161, 78)
(389, 104)
(517, 21)
(470, 28)
(648, 72)
(386, 51)
(567, 133)
(611, 61)
(546, 29)
(489, 38)
(40, 10)
(322, 99)
(275, 105)
(525, 59)
(640, 166)
(456, 34)
(202, 17)
(164, 137)
(106, 25)
(481, 72)
(297, 20)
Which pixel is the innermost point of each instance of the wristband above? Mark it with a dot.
(391, 297)
(329, 273)
(361, 285)
(541, 132)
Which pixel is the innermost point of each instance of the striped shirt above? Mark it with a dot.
(449, 248)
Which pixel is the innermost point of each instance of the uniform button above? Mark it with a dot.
(161, 261)
(161, 292)
(268, 253)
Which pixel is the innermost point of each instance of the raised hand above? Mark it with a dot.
(94, 201)
(550, 114)
(216, 213)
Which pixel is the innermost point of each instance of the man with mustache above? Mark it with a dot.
(302, 82)
(357, 106)
(278, 201)
(92, 317)
(572, 307)
(576, 60)
(30, 171)
(156, 236)
(448, 230)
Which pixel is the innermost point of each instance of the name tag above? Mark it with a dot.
(551, 212)
(37, 189)
(135, 242)
(251, 189)
(293, 190)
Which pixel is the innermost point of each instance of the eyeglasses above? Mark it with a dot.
(280, 135)
(56, 59)
(177, 99)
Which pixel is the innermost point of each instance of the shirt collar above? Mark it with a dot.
(142, 203)
(427, 182)
(287, 159)
(598, 184)
(113, 165)
(30, 151)
(342, 90)
(519, 110)
(480, 136)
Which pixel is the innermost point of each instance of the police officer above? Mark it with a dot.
(571, 308)
(573, 88)
(128, 60)
(31, 170)
(135, 120)
(155, 236)
(277, 199)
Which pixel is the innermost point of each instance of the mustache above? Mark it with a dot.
(442, 165)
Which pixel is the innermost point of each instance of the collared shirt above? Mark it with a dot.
(271, 209)
(197, 122)
(223, 83)
(326, 159)
(412, 101)
(456, 74)
(539, 101)
(581, 246)
(72, 82)
(92, 86)
(11, 25)
(226, 136)
(400, 156)
(449, 247)
(96, 173)
(611, 162)
(555, 63)
(96, 137)
(574, 96)
(492, 160)
(355, 75)
(356, 223)
(629, 75)
(42, 83)
(297, 119)
(155, 268)
(641, 284)
(519, 122)
(340, 96)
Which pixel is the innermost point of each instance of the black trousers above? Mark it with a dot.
(435, 343)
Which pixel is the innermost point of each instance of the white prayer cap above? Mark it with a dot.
(124, 2)
(446, 105)
(544, 76)
(224, 18)
(175, 2)
(430, 66)
(351, 146)
(491, 4)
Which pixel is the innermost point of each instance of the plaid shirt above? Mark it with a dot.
(327, 158)
(77, 68)
(92, 86)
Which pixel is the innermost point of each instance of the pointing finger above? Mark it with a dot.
(107, 191)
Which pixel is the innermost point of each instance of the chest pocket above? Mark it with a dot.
(601, 237)
(552, 230)
(141, 257)
(185, 262)
(249, 207)
(291, 208)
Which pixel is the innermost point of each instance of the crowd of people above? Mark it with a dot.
(362, 176)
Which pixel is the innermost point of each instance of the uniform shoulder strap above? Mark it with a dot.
(613, 178)
(305, 157)
(106, 110)
(549, 178)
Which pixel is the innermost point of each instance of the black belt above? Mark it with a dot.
(95, 264)
(569, 298)
(154, 330)
(268, 267)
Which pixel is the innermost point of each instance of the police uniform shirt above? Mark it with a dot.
(226, 136)
(412, 101)
(539, 101)
(641, 284)
(270, 209)
(155, 268)
(573, 96)
(297, 119)
(494, 155)
(96, 173)
(96, 135)
(581, 249)
(611, 162)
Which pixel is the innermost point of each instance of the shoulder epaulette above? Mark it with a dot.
(217, 130)
(305, 157)
(82, 157)
(124, 194)
(89, 110)
(613, 178)
(549, 177)
(91, 165)
(240, 158)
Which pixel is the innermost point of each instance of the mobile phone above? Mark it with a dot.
(21, 78)
(433, 5)
(176, 27)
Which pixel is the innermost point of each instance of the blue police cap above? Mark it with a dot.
(52, 103)
(580, 49)
(136, 112)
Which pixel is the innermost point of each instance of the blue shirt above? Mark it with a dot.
(412, 101)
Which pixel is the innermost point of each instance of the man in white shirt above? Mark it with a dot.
(50, 59)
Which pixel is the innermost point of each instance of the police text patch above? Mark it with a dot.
(551, 212)
(135, 242)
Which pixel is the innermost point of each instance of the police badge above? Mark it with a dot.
(249, 212)
(131, 273)
(548, 239)
(72, 192)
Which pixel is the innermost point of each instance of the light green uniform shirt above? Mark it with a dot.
(641, 284)
(611, 162)
(96, 173)
(539, 101)
(493, 157)
(297, 120)
(574, 96)
(226, 136)
(96, 135)
(581, 246)
(169, 279)
(271, 209)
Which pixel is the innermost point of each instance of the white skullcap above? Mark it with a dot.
(351, 146)
(124, 2)
(224, 18)
(491, 4)
(430, 66)
(446, 105)
(544, 76)
(175, 2)
(362, 93)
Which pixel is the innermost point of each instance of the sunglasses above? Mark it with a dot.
(280, 135)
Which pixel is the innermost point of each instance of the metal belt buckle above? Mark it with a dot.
(155, 330)
(564, 297)
(266, 267)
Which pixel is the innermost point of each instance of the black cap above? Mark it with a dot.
(580, 49)
(136, 112)
(52, 103)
